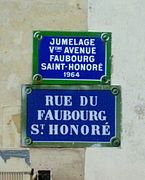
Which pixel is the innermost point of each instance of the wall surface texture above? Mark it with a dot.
(17, 21)
(125, 19)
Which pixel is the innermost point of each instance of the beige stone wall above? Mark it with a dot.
(18, 18)
(125, 19)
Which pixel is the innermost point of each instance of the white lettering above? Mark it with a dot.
(49, 101)
(52, 42)
(95, 130)
(64, 129)
(53, 129)
(84, 129)
(102, 115)
(51, 48)
(83, 100)
(49, 115)
(40, 114)
(35, 129)
(74, 129)
(75, 115)
(106, 129)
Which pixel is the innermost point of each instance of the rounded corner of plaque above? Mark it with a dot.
(115, 142)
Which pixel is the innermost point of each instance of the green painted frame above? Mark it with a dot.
(105, 36)
(27, 142)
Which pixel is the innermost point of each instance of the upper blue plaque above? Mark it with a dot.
(76, 57)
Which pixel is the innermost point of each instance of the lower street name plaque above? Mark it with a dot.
(71, 116)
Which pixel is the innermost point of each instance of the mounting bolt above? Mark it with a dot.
(28, 90)
(39, 36)
(105, 37)
(115, 142)
(28, 141)
(105, 80)
(37, 77)
(115, 91)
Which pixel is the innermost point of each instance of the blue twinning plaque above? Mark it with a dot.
(71, 56)
(62, 116)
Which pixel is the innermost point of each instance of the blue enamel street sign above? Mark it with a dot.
(76, 57)
(71, 116)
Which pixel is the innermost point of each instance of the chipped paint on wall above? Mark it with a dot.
(7, 154)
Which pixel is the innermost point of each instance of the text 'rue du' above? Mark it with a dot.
(67, 100)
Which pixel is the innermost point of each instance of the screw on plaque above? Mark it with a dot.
(38, 36)
(105, 37)
(37, 78)
(115, 91)
(105, 80)
(28, 90)
(115, 142)
(28, 141)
